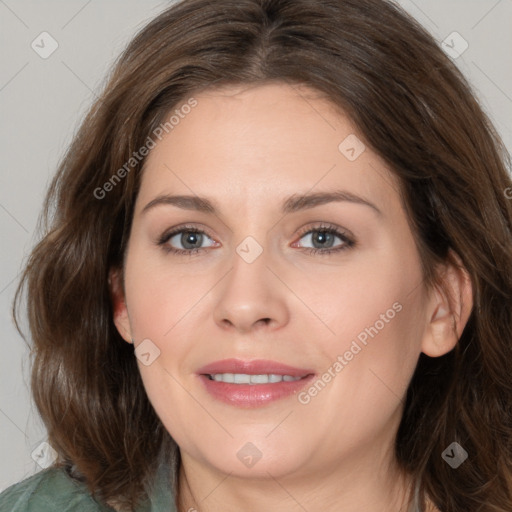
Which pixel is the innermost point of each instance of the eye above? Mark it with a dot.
(324, 236)
(190, 238)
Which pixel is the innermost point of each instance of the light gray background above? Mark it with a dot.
(42, 101)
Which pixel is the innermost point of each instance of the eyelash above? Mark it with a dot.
(348, 242)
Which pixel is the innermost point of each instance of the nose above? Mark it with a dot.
(251, 297)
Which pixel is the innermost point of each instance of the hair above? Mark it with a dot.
(413, 107)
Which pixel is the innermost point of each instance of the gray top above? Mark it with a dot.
(53, 490)
(415, 505)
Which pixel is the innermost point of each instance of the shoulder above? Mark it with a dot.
(49, 490)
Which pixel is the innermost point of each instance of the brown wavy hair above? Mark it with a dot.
(414, 108)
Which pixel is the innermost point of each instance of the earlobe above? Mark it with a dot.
(449, 310)
(120, 311)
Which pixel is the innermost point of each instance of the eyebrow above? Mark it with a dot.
(292, 204)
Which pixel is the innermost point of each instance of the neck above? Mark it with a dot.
(203, 489)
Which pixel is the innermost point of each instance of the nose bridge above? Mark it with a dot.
(251, 293)
(251, 261)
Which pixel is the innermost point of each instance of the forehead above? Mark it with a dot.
(266, 141)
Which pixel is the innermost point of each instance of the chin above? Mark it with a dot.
(256, 459)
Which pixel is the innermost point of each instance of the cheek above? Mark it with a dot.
(159, 297)
(161, 308)
(367, 302)
(376, 328)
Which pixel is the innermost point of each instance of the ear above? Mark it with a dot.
(121, 319)
(449, 308)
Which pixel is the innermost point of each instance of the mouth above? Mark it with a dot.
(249, 384)
(245, 378)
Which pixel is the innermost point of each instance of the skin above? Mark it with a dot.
(247, 149)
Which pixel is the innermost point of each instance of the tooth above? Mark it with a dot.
(259, 379)
(241, 378)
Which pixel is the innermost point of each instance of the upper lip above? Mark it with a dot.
(254, 367)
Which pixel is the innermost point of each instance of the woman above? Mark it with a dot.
(278, 274)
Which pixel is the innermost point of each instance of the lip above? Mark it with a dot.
(257, 395)
(254, 367)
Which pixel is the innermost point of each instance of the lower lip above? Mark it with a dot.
(253, 395)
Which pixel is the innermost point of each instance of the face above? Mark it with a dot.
(331, 287)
